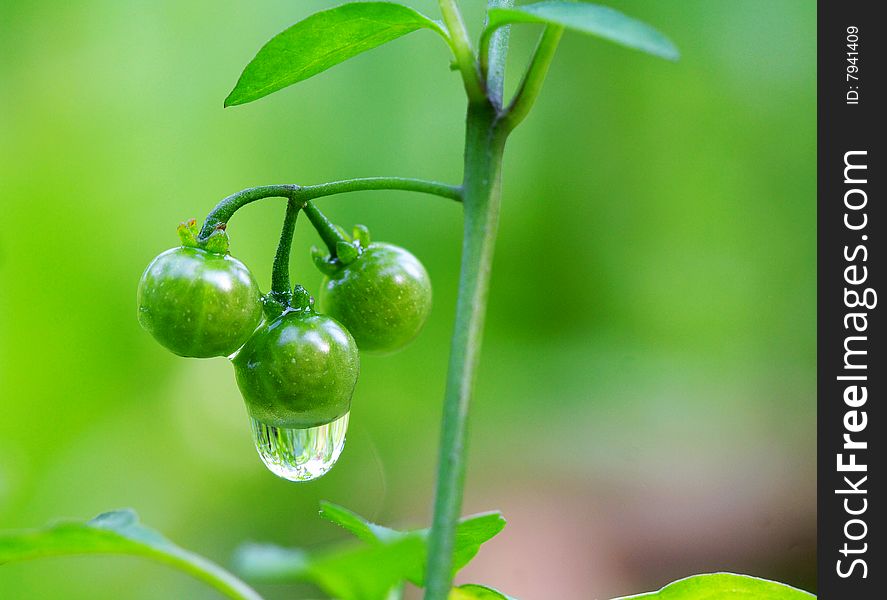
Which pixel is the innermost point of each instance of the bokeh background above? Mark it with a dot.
(645, 405)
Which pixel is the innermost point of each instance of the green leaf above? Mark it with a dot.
(471, 533)
(357, 573)
(323, 40)
(593, 19)
(365, 572)
(724, 586)
(357, 525)
(473, 591)
(118, 532)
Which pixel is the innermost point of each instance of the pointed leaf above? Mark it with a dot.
(357, 525)
(357, 573)
(724, 586)
(323, 40)
(473, 591)
(593, 19)
(471, 533)
(117, 532)
(367, 571)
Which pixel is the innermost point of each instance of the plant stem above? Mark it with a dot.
(226, 208)
(481, 193)
(533, 79)
(328, 232)
(461, 46)
(493, 55)
(280, 272)
(361, 184)
(484, 145)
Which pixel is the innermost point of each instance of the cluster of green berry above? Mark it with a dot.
(296, 367)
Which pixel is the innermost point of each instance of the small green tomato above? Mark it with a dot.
(298, 370)
(198, 303)
(383, 295)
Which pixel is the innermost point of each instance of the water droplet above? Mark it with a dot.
(300, 454)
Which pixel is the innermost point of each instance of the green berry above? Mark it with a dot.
(198, 303)
(383, 296)
(298, 370)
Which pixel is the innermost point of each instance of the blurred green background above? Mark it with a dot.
(645, 408)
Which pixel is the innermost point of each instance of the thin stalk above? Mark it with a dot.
(226, 208)
(280, 272)
(361, 184)
(533, 79)
(461, 46)
(484, 145)
(325, 228)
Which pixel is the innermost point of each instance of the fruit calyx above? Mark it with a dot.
(280, 303)
(217, 242)
(348, 250)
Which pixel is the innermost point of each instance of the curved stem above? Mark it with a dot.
(360, 184)
(461, 46)
(280, 272)
(225, 209)
(328, 232)
(228, 206)
(533, 79)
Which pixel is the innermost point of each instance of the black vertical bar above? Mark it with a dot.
(851, 364)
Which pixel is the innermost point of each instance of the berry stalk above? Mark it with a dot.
(325, 228)
(226, 208)
(280, 271)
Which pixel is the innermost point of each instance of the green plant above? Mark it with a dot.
(281, 405)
